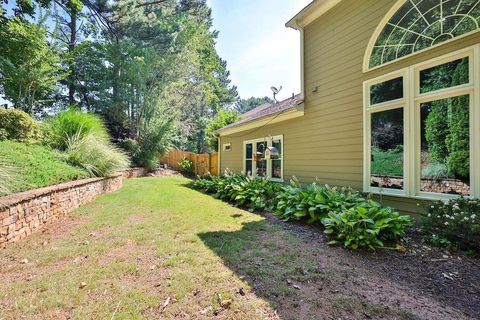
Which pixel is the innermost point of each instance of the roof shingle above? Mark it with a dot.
(266, 110)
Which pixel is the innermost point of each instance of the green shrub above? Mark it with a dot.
(456, 221)
(365, 225)
(31, 166)
(155, 141)
(17, 125)
(186, 166)
(61, 127)
(98, 157)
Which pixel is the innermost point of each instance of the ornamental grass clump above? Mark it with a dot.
(86, 142)
(61, 128)
(454, 223)
(98, 157)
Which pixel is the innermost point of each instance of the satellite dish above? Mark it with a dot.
(275, 92)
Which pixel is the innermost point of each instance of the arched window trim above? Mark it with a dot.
(378, 31)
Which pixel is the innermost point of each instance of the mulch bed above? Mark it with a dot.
(453, 279)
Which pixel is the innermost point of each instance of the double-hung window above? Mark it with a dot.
(422, 129)
(264, 157)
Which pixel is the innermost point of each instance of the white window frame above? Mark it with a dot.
(411, 102)
(381, 26)
(269, 161)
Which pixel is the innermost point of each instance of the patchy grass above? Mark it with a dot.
(36, 166)
(157, 241)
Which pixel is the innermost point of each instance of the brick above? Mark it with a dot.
(30, 210)
(9, 220)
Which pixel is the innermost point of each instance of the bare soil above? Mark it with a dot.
(425, 282)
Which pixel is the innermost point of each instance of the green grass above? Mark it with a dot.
(157, 239)
(387, 163)
(34, 166)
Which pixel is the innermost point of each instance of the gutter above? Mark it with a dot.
(310, 13)
(279, 116)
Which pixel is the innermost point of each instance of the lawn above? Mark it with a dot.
(158, 249)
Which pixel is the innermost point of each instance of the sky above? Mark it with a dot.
(259, 49)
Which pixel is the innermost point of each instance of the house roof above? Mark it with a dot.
(266, 110)
(311, 12)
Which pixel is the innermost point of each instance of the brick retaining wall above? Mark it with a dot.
(135, 173)
(25, 212)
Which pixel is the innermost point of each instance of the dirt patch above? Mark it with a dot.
(423, 283)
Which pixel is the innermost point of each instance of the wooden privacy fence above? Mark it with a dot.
(202, 163)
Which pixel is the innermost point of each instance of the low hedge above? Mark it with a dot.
(17, 125)
(348, 216)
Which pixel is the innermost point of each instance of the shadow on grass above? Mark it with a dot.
(299, 283)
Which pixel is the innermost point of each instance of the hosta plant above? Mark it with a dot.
(365, 225)
(347, 216)
(242, 190)
(314, 202)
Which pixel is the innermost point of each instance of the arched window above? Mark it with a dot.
(416, 25)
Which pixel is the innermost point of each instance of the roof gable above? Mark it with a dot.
(266, 110)
(311, 12)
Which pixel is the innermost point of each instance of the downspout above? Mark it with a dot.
(302, 62)
(297, 26)
(219, 154)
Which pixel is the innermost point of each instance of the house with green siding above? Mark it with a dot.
(390, 103)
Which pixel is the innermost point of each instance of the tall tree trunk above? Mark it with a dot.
(71, 46)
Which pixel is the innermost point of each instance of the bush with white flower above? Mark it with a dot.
(457, 221)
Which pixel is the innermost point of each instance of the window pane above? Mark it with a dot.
(444, 76)
(248, 167)
(421, 24)
(278, 144)
(386, 91)
(261, 168)
(249, 151)
(445, 146)
(387, 149)
(260, 157)
(277, 169)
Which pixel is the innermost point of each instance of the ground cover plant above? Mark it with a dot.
(35, 166)
(348, 217)
(454, 223)
(144, 252)
(8, 175)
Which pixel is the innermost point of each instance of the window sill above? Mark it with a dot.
(419, 196)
